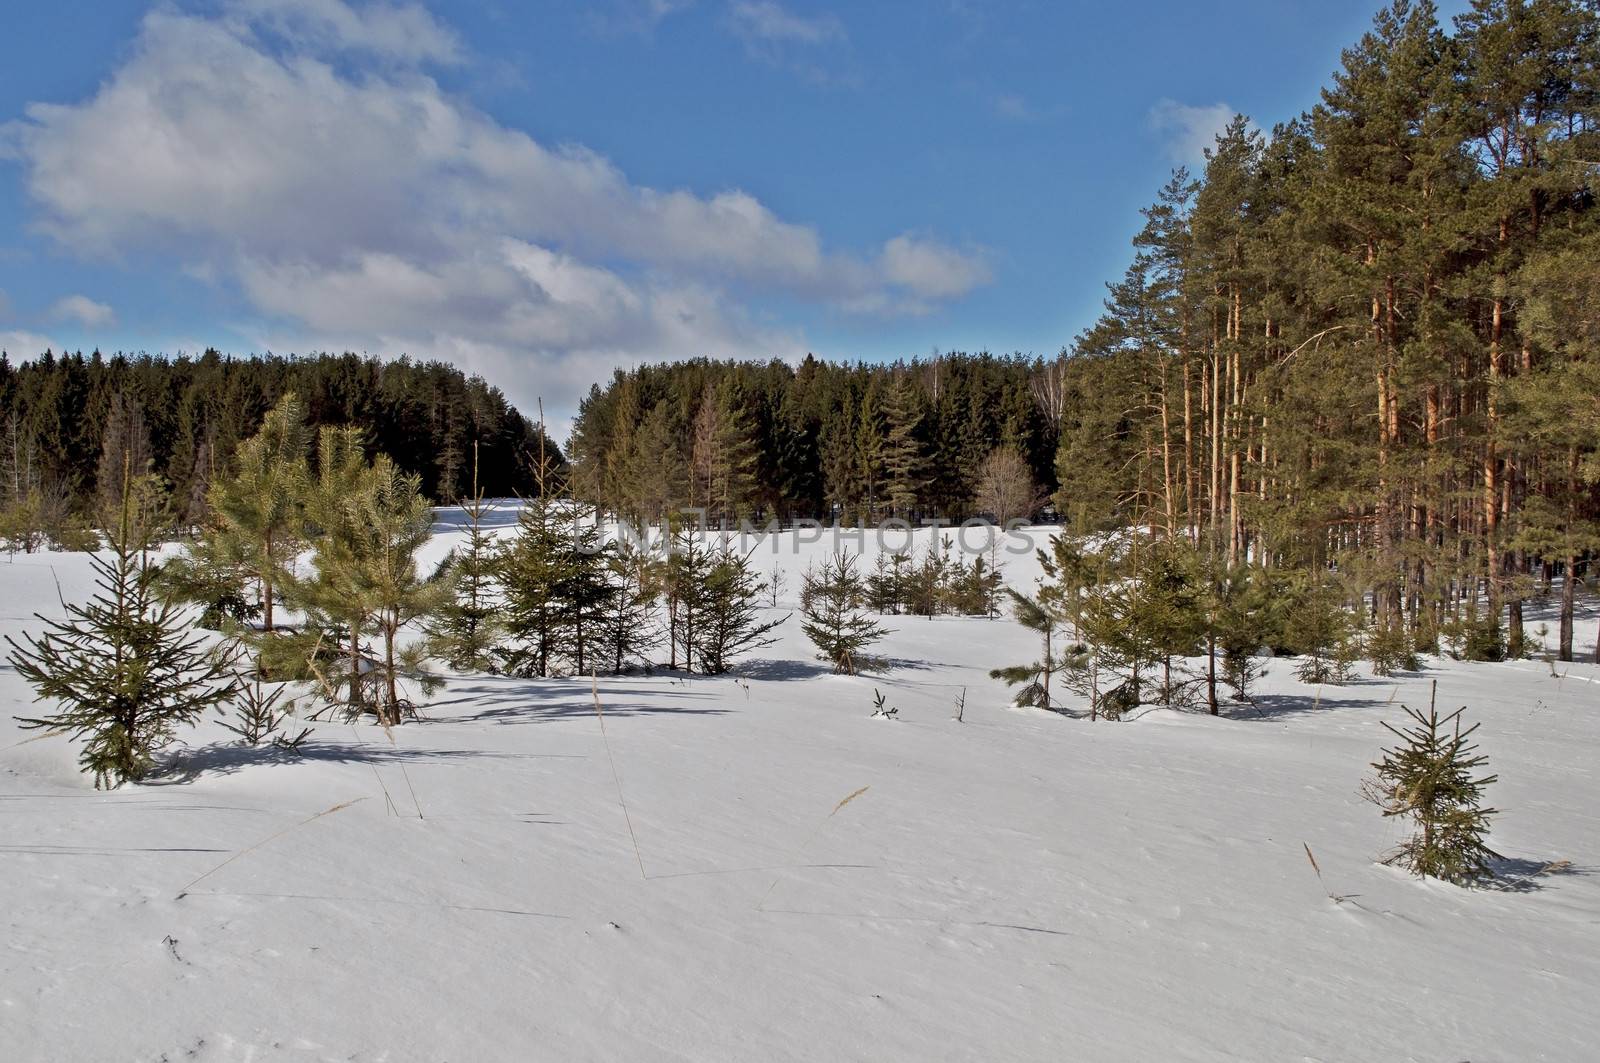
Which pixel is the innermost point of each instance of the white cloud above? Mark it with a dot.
(1010, 106)
(1187, 132)
(636, 16)
(404, 32)
(930, 270)
(82, 310)
(804, 45)
(369, 209)
(20, 344)
(770, 21)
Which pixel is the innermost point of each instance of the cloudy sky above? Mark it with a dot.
(540, 190)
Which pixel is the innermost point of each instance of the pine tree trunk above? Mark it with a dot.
(266, 591)
(1568, 600)
(1211, 671)
(1166, 454)
(1188, 443)
(393, 691)
(355, 666)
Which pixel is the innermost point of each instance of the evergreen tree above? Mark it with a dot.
(840, 473)
(592, 588)
(729, 622)
(972, 589)
(627, 627)
(1245, 616)
(121, 668)
(724, 452)
(1390, 649)
(685, 576)
(538, 569)
(869, 449)
(902, 450)
(258, 512)
(1070, 568)
(927, 584)
(1036, 614)
(1318, 627)
(22, 518)
(656, 476)
(125, 443)
(336, 598)
(1151, 615)
(466, 627)
(392, 521)
(1428, 778)
(886, 586)
(831, 617)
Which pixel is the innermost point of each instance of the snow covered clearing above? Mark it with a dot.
(751, 868)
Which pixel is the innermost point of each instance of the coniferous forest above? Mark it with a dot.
(68, 420)
(1365, 341)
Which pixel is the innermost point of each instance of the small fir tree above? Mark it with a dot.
(684, 576)
(729, 603)
(1318, 627)
(1244, 617)
(124, 673)
(886, 586)
(1152, 615)
(1429, 778)
(927, 587)
(260, 707)
(830, 614)
(467, 626)
(1034, 678)
(211, 577)
(627, 627)
(538, 570)
(1390, 649)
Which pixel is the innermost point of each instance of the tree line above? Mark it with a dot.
(69, 419)
(950, 436)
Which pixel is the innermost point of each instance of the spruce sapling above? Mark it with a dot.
(467, 625)
(1428, 778)
(729, 624)
(121, 668)
(830, 615)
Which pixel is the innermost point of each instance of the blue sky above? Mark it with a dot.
(542, 190)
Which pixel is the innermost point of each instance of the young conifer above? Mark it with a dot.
(393, 521)
(830, 614)
(1428, 778)
(258, 519)
(467, 626)
(626, 626)
(729, 622)
(1034, 678)
(121, 668)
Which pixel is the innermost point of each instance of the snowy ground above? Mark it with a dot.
(1018, 886)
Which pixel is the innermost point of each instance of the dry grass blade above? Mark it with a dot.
(760, 905)
(1336, 898)
(848, 799)
(599, 711)
(52, 733)
(311, 819)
